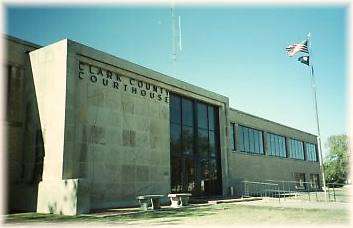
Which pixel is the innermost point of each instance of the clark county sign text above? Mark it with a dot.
(116, 81)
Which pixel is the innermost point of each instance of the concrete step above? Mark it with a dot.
(234, 200)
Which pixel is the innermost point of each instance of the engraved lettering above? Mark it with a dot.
(148, 86)
(93, 78)
(155, 88)
(100, 72)
(133, 90)
(80, 65)
(132, 81)
(90, 69)
(109, 74)
(79, 75)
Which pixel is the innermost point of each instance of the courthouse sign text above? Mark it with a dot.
(113, 80)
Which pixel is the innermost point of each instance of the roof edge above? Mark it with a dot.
(270, 121)
(18, 40)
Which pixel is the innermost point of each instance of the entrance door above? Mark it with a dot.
(195, 154)
(183, 175)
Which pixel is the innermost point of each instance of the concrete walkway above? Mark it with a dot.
(291, 203)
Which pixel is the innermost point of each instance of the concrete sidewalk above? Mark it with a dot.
(291, 203)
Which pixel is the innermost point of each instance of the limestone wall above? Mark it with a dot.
(117, 126)
(117, 132)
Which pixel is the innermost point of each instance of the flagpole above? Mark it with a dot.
(313, 85)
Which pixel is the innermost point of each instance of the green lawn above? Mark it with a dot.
(230, 213)
(339, 195)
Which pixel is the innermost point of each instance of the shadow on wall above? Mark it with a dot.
(25, 148)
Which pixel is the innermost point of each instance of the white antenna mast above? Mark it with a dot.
(180, 47)
(176, 38)
(173, 34)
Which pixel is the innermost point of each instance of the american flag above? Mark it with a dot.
(295, 48)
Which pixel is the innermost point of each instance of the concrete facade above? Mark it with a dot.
(102, 132)
(24, 145)
(267, 168)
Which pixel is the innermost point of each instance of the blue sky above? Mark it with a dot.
(236, 51)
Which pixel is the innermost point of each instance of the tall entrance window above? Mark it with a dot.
(194, 147)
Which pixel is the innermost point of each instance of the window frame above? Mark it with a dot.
(277, 138)
(232, 132)
(297, 149)
(309, 155)
(251, 132)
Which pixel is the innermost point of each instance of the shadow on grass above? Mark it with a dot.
(162, 216)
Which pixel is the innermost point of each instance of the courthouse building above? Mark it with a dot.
(87, 130)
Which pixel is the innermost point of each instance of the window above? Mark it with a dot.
(250, 140)
(175, 109)
(212, 140)
(300, 181)
(232, 136)
(187, 112)
(211, 118)
(202, 115)
(314, 181)
(311, 154)
(206, 130)
(175, 138)
(276, 145)
(202, 142)
(296, 149)
(187, 140)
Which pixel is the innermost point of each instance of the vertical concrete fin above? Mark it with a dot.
(49, 74)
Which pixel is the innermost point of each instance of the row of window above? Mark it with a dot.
(251, 141)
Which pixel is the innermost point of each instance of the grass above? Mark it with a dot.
(207, 214)
(339, 195)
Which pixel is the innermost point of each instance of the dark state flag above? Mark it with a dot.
(304, 59)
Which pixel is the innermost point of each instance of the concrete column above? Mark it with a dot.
(266, 143)
(236, 138)
(287, 147)
(224, 144)
(57, 193)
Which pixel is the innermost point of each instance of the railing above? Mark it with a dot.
(337, 193)
(298, 189)
(289, 190)
(261, 189)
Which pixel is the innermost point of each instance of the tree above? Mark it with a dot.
(336, 163)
